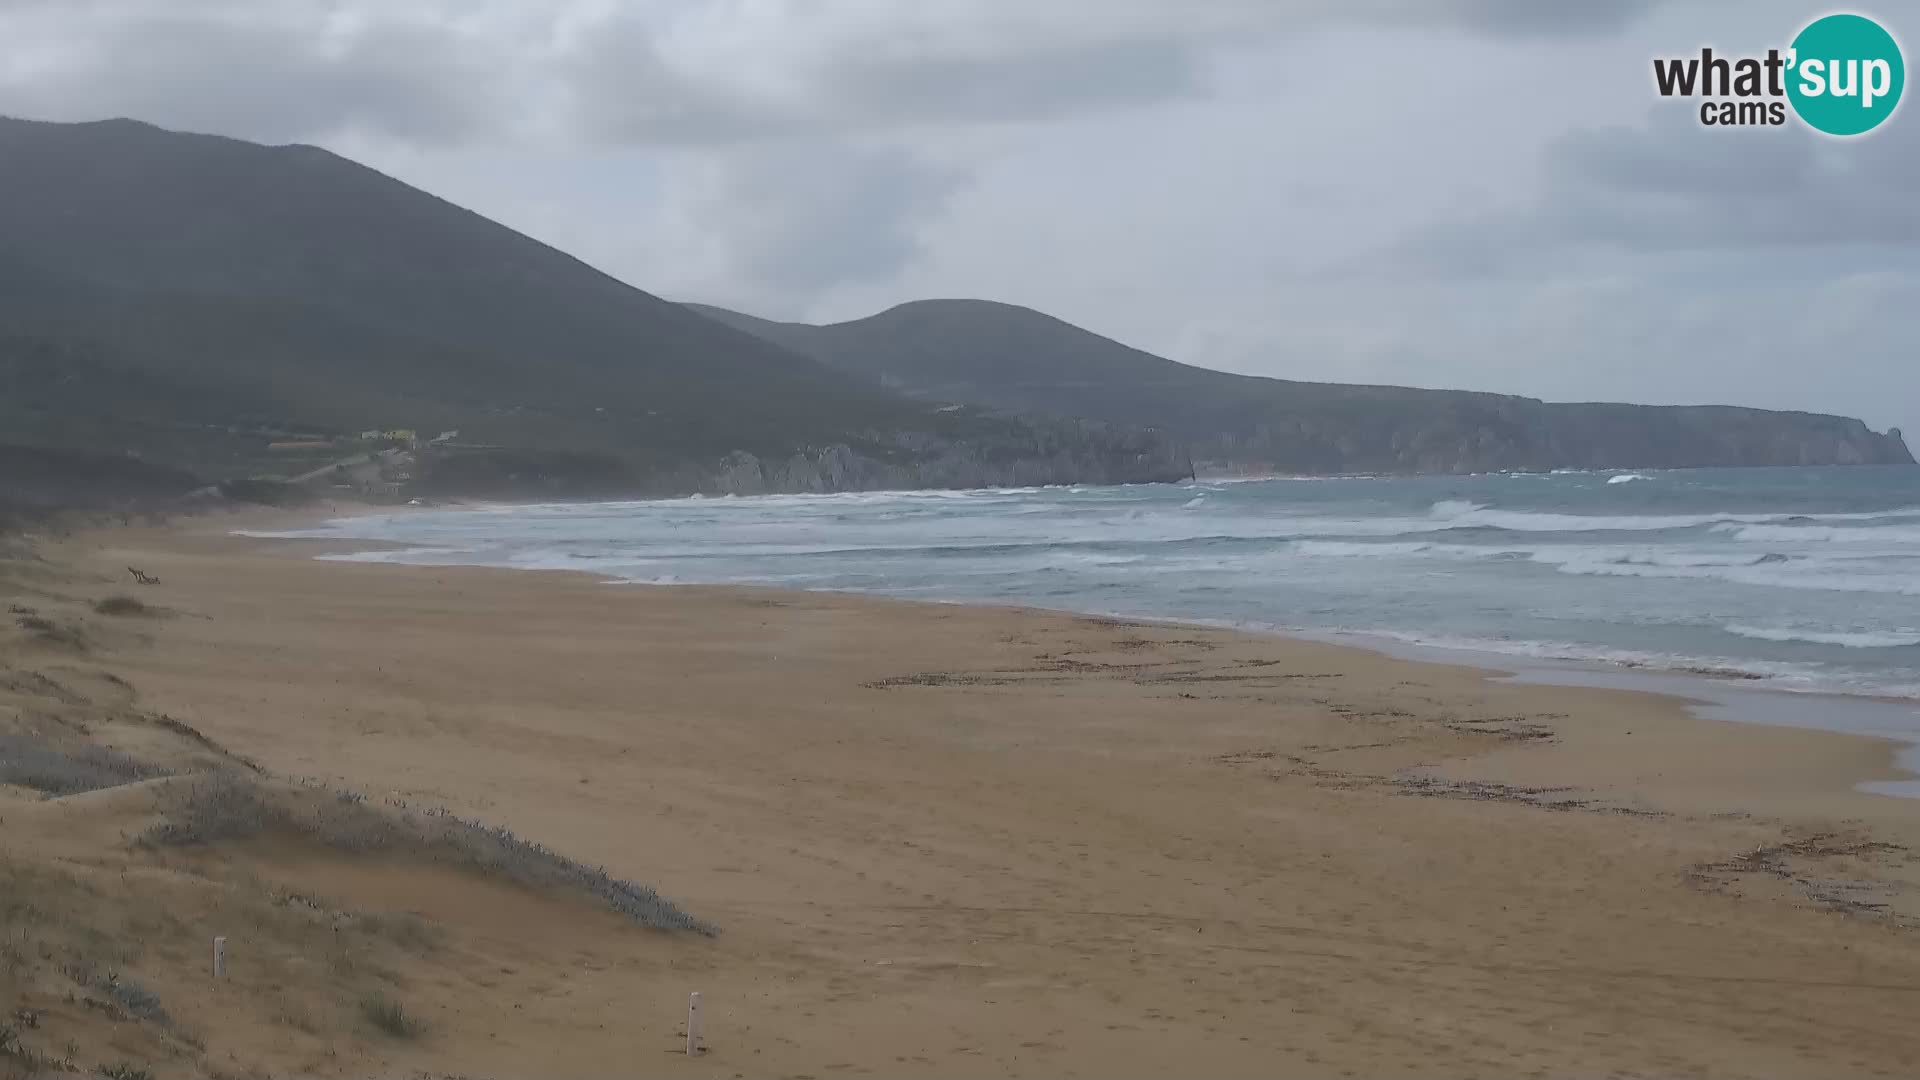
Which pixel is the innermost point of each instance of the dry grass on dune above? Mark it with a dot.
(107, 960)
(98, 939)
(128, 840)
(31, 763)
(227, 807)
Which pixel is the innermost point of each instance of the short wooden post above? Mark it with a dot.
(696, 1044)
(219, 958)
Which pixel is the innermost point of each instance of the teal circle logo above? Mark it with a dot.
(1846, 74)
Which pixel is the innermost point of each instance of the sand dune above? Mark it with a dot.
(937, 840)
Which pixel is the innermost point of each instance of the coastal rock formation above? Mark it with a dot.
(1024, 453)
(841, 468)
(1011, 357)
(1486, 433)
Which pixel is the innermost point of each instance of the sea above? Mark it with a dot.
(1784, 579)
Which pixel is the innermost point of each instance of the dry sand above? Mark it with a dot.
(957, 841)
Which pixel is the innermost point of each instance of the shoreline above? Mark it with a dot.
(1697, 695)
(944, 839)
(1704, 694)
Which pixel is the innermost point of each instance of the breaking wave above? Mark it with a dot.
(1759, 570)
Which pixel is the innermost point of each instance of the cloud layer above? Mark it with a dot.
(1478, 193)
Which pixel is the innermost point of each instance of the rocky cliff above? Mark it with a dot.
(841, 468)
(997, 451)
(1014, 358)
(1485, 433)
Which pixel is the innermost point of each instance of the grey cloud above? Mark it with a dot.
(1675, 155)
(1027, 84)
(645, 102)
(1535, 18)
(974, 63)
(264, 74)
(1674, 185)
(437, 71)
(627, 88)
(795, 218)
(1677, 184)
(621, 89)
(1177, 173)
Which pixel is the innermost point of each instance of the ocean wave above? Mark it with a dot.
(1361, 548)
(1538, 521)
(1794, 676)
(1772, 574)
(1552, 565)
(907, 520)
(1165, 548)
(1626, 477)
(1848, 639)
(1459, 513)
(1578, 557)
(1664, 557)
(1895, 535)
(447, 556)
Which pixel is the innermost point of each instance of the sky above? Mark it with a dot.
(1479, 194)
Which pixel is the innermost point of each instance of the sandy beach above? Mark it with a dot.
(937, 841)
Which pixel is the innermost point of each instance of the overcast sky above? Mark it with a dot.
(1462, 193)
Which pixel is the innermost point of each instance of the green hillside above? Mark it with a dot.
(191, 298)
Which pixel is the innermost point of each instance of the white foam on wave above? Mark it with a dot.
(1673, 558)
(1212, 549)
(428, 556)
(1846, 639)
(1584, 558)
(1539, 521)
(1091, 558)
(1623, 478)
(1794, 574)
(1450, 509)
(1895, 535)
(1759, 570)
(1362, 549)
(1459, 513)
(1772, 674)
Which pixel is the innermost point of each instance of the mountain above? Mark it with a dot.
(193, 299)
(1004, 356)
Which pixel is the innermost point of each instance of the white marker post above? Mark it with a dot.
(696, 1045)
(219, 958)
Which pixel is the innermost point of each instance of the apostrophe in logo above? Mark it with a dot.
(1842, 75)
(1847, 74)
